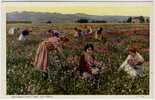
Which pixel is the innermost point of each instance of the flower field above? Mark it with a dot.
(63, 78)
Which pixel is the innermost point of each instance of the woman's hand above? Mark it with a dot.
(60, 50)
(94, 71)
(131, 62)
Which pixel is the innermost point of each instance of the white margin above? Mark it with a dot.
(3, 64)
(3, 52)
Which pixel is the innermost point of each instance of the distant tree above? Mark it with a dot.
(147, 20)
(49, 22)
(19, 21)
(93, 21)
(124, 21)
(99, 21)
(129, 20)
(82, 21)
(142, 19)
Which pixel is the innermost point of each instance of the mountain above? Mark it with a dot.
(58, 17)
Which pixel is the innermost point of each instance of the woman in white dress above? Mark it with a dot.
(13, 31)
(133, 64)
(24, 34)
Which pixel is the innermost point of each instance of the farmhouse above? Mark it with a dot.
(139, 20)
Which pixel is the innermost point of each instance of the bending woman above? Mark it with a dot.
(41, 59)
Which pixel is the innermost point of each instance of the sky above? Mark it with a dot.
(101, 8)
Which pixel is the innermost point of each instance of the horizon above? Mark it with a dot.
(73, 13)
(99, 9)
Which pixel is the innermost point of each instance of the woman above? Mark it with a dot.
(89, 31)
(41, 59)
(12, 31)
(133, 63)
(79, 35)
(87, 65)
(24, 34)
(98, 33)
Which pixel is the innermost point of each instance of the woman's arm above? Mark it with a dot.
(98, 63)
(60, 50)
(88, 64)
(140, 59)
(124, 63)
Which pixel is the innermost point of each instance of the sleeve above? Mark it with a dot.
(96, 35)
(75, 34)
(90, 30)
(87, 66)
(125, 62)
(88, 69)
(97, 62)
(140, 58)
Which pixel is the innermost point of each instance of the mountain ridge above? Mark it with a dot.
(60, 18)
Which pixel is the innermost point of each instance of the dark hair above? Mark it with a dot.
(75, 28)
(64, 39)
(49, 30)
(101, 29)
(132, 49)
(78, 30)
(89, 46)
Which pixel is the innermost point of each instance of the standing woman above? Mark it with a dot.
(133, 64)
(98, 33)
(79, 35)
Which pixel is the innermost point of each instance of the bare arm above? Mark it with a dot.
(60, 50)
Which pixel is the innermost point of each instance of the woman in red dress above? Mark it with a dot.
(87, 62)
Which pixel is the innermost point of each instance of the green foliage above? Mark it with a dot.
(129, 20)
(82, 21)
(141, 18)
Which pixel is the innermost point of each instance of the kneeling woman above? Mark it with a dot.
(41, 59)
(87, 66)
(133, 63)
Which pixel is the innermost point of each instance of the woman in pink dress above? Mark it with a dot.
(41, 59)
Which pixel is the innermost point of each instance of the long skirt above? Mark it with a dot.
(134, 71)
(11, 31)
(41, 59)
